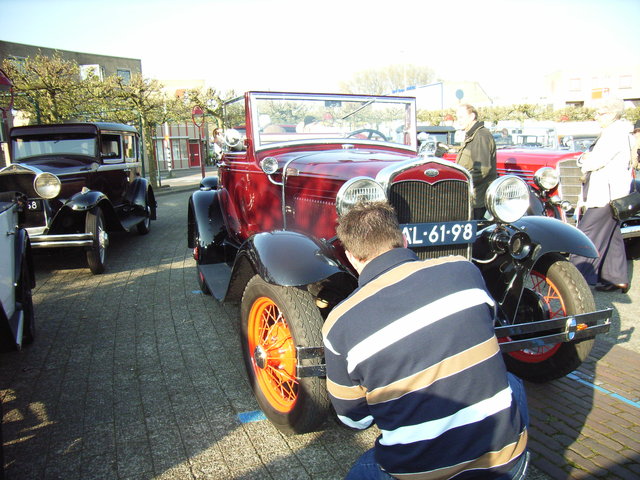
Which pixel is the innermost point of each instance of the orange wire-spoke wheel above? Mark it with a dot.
(555, 306)
(273, 354)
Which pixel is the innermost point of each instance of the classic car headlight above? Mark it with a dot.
(47, 185)
(546, 178)
(358, 189)
(508, 198)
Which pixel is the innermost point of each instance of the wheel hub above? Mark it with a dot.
(260, 357)
(103, 239)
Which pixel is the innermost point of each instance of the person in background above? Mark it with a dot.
(477, 154)
(607, 175)
(443, 401)
(635, 149)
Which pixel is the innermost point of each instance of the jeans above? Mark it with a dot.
(366, 467)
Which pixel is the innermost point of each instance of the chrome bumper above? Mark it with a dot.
(63, 240)
(579, 327)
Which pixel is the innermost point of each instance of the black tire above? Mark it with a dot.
(144, 226)
(556, 289)
(292, 318)
(24, 296)
(97, 252)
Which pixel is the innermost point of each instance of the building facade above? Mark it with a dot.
(100, 65)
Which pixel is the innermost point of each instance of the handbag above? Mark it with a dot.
(625, 207)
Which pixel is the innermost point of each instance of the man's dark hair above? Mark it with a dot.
(369, 230)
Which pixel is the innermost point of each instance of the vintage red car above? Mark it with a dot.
(263, 235)
(556, 179)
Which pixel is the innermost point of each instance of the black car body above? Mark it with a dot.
(81, 181)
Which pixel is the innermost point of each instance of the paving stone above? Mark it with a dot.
(133, 376)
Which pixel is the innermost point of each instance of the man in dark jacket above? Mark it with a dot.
(477, 154)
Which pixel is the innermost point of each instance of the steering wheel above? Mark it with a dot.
(372, 132)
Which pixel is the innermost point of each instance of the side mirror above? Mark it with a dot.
(109, 155)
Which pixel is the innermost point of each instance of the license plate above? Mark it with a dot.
(442, 233)
(34, 205)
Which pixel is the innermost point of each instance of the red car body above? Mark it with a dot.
(264, 235)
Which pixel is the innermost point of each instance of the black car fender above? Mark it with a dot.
(137, 193)
(284, 258)
(75, 210)
(506, 254)
(553, 235)
(205, 226)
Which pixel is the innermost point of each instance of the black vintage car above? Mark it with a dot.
(79, 181)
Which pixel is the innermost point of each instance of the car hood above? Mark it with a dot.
(342, 163)
(61, 165)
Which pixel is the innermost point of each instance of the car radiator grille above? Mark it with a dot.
(526, 175)
(570, 184)
(421, 202)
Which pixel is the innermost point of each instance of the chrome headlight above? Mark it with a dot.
(546, 178)
(269, 165)
(358, 189)
(47, 185)
(508, 198)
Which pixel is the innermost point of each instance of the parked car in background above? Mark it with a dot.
(264, 235)
(17, 323)
(82, 181)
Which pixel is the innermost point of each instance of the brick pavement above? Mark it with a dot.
(137, 375)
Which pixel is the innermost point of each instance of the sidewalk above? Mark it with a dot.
(181, 180)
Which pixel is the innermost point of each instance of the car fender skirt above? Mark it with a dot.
(289, 259)
(205, 226)
(553, 235)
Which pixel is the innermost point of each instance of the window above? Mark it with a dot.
(626, 81)
(129, 145)
(19, 62)
(91, 70)
(110, 148)
(575, 85)
(125, 75)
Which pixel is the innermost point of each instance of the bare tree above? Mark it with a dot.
(382, 81)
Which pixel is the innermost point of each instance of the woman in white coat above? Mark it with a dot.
(607, 169)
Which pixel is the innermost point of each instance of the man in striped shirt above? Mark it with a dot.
(413, 350)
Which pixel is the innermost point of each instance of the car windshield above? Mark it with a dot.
(284, 118)
(68, 144)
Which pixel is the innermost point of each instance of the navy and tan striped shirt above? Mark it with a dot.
(413, 349)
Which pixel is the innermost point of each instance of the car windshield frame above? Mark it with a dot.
(282, 119)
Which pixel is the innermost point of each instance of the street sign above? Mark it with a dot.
(197, 114)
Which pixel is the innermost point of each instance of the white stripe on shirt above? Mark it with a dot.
(434, 428)
(360, 424)
(414, 321)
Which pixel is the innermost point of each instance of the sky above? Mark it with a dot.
(506, 45)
